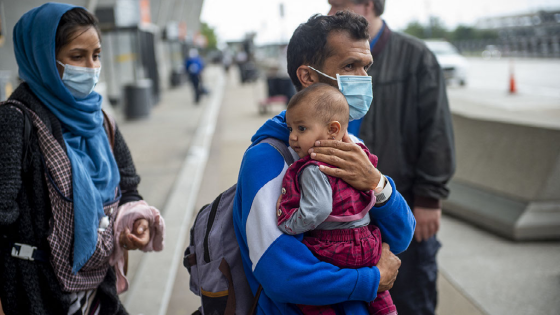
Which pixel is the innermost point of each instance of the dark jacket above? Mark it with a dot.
(409, 123)
(31, 287)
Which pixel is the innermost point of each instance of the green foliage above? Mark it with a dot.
(437, 30)
(210, 35)
(415, 29)
(487, 34)
(463, 32)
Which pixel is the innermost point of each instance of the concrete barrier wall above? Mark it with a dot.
(507, 178)
(518, 161)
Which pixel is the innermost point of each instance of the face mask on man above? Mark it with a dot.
(80, 81)
(358, 92)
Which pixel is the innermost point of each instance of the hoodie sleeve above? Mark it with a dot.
(395, 221)
(281, 262)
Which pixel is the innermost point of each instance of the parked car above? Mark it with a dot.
(454, 65)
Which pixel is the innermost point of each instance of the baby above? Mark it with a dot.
(333, 215)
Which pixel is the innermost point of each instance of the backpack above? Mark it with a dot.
(213, 258)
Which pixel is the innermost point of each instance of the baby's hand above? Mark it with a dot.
(139, 237)
(278, 202)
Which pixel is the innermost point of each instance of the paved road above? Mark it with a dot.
(537, 77)
(486, 96)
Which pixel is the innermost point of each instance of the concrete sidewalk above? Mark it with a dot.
(478, 274)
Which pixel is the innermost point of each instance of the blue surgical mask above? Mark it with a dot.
(358, 92)
(80, 81)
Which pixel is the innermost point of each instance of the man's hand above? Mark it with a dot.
(388, 266)
(138, 238)
(353, 165)
(427, 223)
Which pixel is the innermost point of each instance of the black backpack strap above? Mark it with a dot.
(253, 309)
(22, 251)
(280, 147)
(110, 128)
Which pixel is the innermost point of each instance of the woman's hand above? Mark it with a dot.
(139, 237)
(353, 165)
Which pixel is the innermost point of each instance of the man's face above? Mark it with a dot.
(349, 57)
(340, 5)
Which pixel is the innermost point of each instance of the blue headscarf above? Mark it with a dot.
(95, 174)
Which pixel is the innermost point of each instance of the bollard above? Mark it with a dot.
(512, 88)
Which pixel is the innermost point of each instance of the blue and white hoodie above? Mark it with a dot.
(282, 264)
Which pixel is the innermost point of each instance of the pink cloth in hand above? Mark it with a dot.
(127, 214)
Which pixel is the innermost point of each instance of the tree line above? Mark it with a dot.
(435, 29)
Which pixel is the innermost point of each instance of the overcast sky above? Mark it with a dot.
(233, 18)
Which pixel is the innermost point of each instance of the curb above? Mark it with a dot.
(153, 284)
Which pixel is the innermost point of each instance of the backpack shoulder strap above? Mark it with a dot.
(110, 127)
(280, 147)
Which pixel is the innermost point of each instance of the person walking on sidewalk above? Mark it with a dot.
(194, 66)
(287, 270)
(409, 128)
(65, 175)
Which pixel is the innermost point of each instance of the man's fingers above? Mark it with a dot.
(420, 232)
(388, 266)
(329, 159)
(335, 144)
(339, 151)
(329, 151)
(335, 172)
(417, 235)
(431, 230)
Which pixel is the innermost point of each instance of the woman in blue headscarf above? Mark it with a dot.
(65, 172)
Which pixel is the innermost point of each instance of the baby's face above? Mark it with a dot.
(305, 129)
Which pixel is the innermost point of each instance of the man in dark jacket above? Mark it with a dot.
(408, 126)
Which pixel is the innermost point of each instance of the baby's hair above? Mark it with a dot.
(328, 103)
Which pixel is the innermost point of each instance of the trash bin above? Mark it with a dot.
(138, 99)
(176, 77)
(249, 72)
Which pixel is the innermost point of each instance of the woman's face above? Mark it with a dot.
(82, 51)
